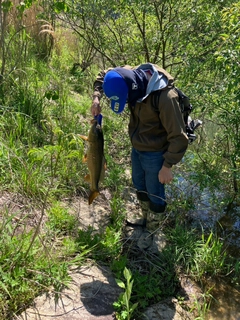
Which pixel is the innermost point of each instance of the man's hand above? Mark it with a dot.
(95, 108)
(165, 175)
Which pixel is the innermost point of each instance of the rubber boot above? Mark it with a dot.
(136, 221)
(153, 226)
(136, 218)
(139, 217)
(153, 239)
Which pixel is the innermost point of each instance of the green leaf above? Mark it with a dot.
(6, 6)
(127, 274)
(5, 288)
(61, 6)
(124, 315)
(120, 283)
(134, 306)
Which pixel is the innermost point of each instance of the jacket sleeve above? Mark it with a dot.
(98, 83)
(172, 120)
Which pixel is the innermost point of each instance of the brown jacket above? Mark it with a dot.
(156, 130)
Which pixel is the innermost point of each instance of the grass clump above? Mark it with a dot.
(61, 221)
(26, 269)
(106, 244)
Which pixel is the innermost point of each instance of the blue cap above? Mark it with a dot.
(116, 89)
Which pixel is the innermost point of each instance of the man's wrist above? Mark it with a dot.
(167, 165)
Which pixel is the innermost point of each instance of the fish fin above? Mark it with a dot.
(84, 160)
(83, 137)
(104, 167)
(87, 178)
(92, 196)
(105, 163)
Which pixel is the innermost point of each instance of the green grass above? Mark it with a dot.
(41, 116)
(26, 268)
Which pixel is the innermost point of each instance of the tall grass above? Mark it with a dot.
(44, 109)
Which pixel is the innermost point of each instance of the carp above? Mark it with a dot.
(95, 159)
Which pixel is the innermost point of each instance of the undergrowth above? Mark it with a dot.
(41, 119)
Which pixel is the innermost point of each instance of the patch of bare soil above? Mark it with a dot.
(23, 214)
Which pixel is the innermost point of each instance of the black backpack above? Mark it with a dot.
(186, 108)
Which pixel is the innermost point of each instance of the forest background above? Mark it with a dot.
(50, 54)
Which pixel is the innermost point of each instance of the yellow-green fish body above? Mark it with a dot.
(95, 159)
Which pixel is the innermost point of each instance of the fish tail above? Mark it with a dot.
(92, 196)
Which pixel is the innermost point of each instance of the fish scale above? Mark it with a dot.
(95, 159)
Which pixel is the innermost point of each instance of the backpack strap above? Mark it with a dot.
(183, 101)
(185, 107)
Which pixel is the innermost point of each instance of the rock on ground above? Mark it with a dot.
(90, 296)
(167, 310)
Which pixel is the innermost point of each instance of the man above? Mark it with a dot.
(157, 134)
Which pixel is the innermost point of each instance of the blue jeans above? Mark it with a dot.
(145, 169)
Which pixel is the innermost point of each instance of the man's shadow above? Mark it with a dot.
(98, 296)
